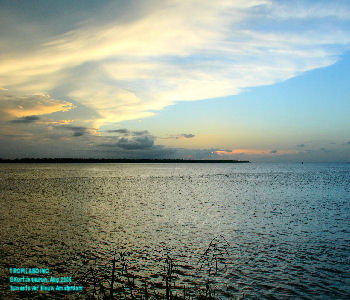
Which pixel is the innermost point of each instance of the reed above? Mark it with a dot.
(117, 280)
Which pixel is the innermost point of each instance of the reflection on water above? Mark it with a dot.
(288, 225)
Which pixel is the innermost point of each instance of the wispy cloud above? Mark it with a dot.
(119, 131)
(25, 120)
(127, 132)
(179, 136)
(262, 152)
(175, 51)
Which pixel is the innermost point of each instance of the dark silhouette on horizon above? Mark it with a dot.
(115, 160)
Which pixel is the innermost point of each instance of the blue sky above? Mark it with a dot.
(259, 80)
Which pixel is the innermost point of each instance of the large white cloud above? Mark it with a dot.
(181, 51)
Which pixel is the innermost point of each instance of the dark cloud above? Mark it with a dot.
(138, 143)
(325, 150)
(122, 131)
(273, 151)
(78, 133)
(126, 132)
(188, 136)
(348, 143)
(178, 136)
(140, 133)
(77, 130)
(301, 145)
(25, 120)
(135, 143)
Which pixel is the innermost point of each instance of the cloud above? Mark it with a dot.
(178, 136)
(130, 140)
(135, 143)
(13, 105)
(123, 131)
(258, 152)
(25, 120)
(127, 132)
(140, 133)
(301, 145)
(177, 51)
(55, 122)
(347, 143)
(188, 136)
(317, 10)
(77, 130)
(62, 140)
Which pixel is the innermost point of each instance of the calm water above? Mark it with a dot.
(287, 225)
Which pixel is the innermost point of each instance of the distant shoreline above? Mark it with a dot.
(119, 160)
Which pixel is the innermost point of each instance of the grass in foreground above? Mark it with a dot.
(118, 281)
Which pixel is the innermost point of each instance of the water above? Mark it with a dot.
(287, 225)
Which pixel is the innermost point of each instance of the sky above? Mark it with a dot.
(259, 80)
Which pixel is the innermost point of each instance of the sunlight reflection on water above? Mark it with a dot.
(288, 225)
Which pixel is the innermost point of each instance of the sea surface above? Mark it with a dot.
(272, 231)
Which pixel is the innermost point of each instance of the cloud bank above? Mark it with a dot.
(171, 51)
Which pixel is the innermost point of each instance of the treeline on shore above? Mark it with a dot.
(115, 160)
